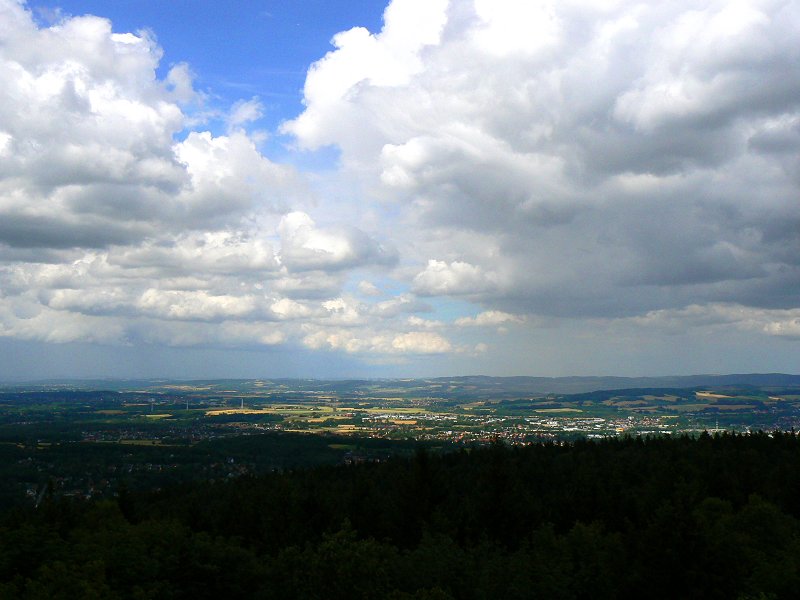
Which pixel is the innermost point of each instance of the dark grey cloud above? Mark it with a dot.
(53, 232)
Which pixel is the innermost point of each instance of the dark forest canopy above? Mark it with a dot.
(710, 517)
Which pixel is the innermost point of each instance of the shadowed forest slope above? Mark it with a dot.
(712, 517)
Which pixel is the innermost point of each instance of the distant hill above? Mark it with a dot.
(473, 386)
(577, 385)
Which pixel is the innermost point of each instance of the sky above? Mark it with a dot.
(413, 188)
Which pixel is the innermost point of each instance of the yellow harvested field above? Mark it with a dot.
(402, 411)
(404, 421)
(710, 395)
(158, 416)
(240, 411)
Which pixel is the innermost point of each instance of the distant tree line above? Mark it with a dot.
(707, 517)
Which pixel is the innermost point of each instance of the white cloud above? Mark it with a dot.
(789, 328)
(307, 247)
(202, 253)
(42, 324)
(286, 308)
(180, 84)
(455, 278)
(610, 164)
(353, 342)
(196, 305)
(420, 323)
(481, 348)
(343, 311)
(703, 64)
(229, 178)
(245, 111)
(577, 159)
(774, 322)
(88, 138)
(421, 342)
(116, 226)
(489, 318)
(387, 59)
(367, 288)
(403, 304)
(510, 27)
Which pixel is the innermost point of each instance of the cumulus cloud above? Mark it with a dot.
(412, 342)
(228, 178)
(307, 247)
(578, 159)
(421, 342)
(88, 138)
(367, 288)
(774, 322)
(455, 278)
(592, 162)
(390, 58)
(286, 308)
(403, 304)
(420, 323)
(28, 321)
(490, 318)
(245, 111)
(121, 223)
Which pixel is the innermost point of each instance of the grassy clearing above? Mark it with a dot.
(689, 407)
(395, 411)
(471, 405)
(239, 411)
(327, 418)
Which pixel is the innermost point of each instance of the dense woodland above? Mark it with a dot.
(711, 517)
